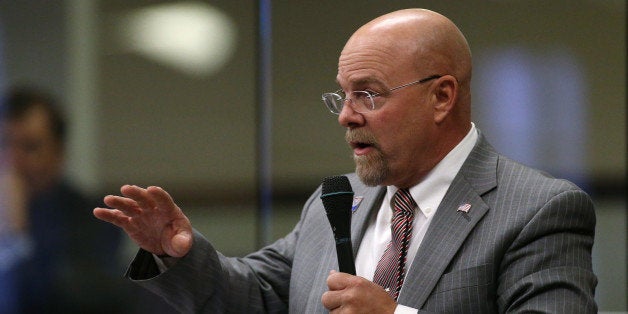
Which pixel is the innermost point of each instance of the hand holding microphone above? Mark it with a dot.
(352, 293)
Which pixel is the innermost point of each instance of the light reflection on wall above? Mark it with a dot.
(192, 37)
(534, 104)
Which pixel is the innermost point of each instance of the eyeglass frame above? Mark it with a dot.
(370, 96)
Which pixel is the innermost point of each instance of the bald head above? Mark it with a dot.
(425, 40)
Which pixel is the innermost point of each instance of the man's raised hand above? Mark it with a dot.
(150, 218)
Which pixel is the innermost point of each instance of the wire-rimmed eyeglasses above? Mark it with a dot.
(362, 101)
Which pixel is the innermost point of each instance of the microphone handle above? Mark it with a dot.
(345, 256)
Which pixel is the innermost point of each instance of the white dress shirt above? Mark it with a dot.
(428, 195)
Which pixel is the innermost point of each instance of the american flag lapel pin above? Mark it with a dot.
(356, 203)
(464, 207)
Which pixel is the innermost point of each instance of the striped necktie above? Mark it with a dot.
(390, 270)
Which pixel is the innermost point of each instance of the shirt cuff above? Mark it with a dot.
(163, 263)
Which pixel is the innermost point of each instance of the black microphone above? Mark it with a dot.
(337, 197)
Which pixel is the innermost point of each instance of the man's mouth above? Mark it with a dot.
(361, 148)
(360, 145)
(361, 141)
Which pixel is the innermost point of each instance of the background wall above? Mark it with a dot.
(550, 91)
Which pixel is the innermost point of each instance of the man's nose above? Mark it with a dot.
(349, 118)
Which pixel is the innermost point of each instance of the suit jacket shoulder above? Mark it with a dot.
(494, 257)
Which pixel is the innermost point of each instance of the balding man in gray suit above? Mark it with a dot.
(488, 235)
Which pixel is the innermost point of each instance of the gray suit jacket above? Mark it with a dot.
(524, 246)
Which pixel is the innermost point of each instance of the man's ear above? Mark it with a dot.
(445, 95)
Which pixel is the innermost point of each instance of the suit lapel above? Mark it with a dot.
(450, 226)
(371, 201)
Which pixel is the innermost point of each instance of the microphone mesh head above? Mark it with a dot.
(336, 184)
(337, 197)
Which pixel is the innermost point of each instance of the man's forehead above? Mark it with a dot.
(375, 67)
(357, 81)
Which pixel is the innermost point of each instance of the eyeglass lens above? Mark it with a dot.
(361, 101)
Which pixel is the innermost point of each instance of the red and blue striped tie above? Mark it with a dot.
(390, 270)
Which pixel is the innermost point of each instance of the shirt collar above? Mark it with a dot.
(429, 193)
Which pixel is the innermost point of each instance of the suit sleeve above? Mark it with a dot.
(547, 269)
(205, 281)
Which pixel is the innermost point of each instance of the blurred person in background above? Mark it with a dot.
(66, 246)
(14, 245)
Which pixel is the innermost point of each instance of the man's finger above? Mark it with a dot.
(337, 280)
(113, 216)
(161, 198)
(126, 205)
(179, 245)
(331, 299)
(138, 194)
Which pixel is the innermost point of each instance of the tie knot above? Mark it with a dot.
(403, 203)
